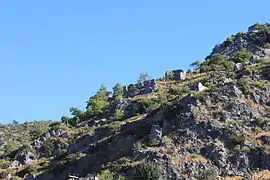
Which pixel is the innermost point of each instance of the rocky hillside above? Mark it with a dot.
(211, 122)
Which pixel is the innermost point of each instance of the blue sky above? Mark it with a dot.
(55, 54)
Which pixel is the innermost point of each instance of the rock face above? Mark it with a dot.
(238, 66)
(197, 87)
(178, 75)
(253, 41)
(82, 144)
(223, 130)
(25, 156)
(156, 133)
(265, 139)
(146, 87)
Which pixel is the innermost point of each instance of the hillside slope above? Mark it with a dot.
(208, 123)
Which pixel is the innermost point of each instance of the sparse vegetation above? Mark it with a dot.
(267, 46)
(119, 114)
(209, 174)
(111, 137)
(106, 175)
(147, 171)
(242, 56)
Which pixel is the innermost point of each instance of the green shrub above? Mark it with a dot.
(16, 178)
(242, 55)
(37, 132)
(262, 83)
(261, 27)
(245, 83)
(216, 59)
(111, 128)
(162, 97)
(233, 122)
(229, 66)
(237, 139)
(169, 75)
(121, 178)
(98, 103)
(228, 41)
(196, 64)
(30, 169)
(240, 148)
(147, 171)
(267, 46)
(105, 175)
(263, 120)
(209, 85)
(258, 129)
(4, 164)
(179, 90)
(118, 92)
(149, 104)
(72, 158)
(48, 147)
(152, 143)
(119, 114)
(216, 62)
(209, 174)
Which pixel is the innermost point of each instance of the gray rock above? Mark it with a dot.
(149, 86)
(52, 133)
(167, 126)
(47, 135)
(267, 52)
(265, 139)
(156, 133)
(59, 132)
(82, 144)
(219, 156)
(228, 80)
(238, 66)
(140, 88)
(25, 156)
(201, 87)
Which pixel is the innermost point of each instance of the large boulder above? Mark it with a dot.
(82, 144)
(149, 86)
(265, 139)
(201, 87)
(24, 155)
(238, 66)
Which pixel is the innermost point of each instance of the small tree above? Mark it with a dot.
(216, 59)
(97, 104)
(229, 65)
(76, 112)
(15, 122)
(66, 119)
(118, 92)
(143, 77)
(119, 114)
(195, 64)
(242, 55)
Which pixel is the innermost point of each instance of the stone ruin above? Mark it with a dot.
(145, 87)
(178, 75)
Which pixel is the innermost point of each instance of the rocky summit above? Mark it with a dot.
(210, 122)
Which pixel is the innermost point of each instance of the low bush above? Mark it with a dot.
(147, 171)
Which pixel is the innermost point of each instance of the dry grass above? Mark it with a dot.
(232, 178)
(263, 175)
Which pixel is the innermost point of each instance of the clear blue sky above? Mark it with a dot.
(54, 54)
